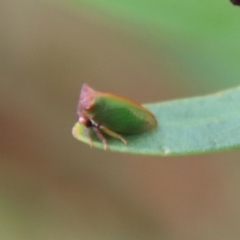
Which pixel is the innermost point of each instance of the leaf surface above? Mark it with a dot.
(187, 126)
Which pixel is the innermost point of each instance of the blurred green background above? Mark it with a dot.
(54, 187)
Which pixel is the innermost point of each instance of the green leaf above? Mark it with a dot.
(188, 126)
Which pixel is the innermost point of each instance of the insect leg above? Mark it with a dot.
(113, 134)
(100, 136)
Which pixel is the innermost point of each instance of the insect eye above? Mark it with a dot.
(88, 123)
(85, 121)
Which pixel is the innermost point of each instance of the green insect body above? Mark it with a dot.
(112, 114)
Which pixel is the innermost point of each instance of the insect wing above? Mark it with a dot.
(120, 114)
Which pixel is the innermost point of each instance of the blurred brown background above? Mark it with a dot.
(54, 187)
